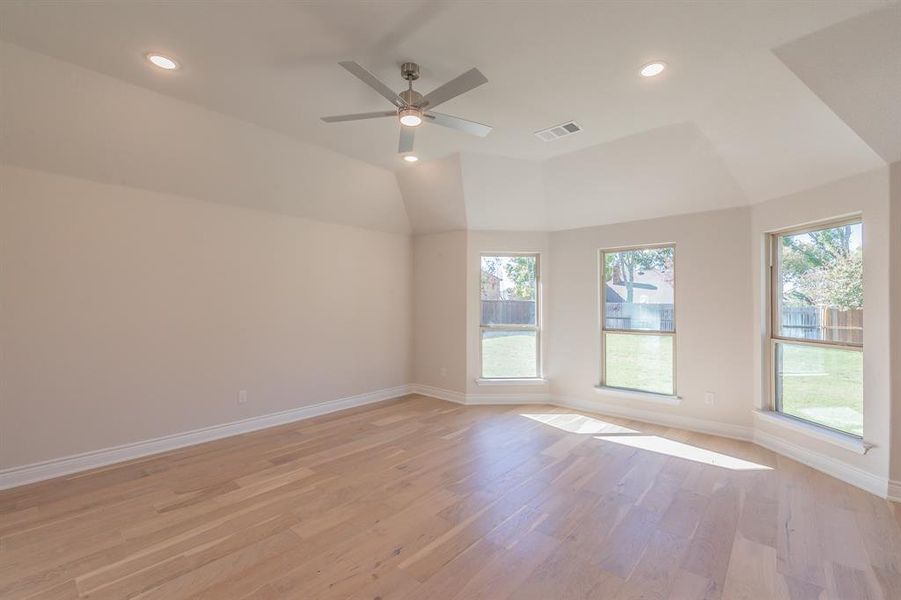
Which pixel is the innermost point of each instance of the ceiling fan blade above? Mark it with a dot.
(358, 116)
(406, 139)
(459, 124)
(471, 79)
(372, 81)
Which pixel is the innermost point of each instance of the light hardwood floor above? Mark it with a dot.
(423, 499)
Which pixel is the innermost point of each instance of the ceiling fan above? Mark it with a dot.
(412, 108)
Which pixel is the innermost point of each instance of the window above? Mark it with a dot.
(638, 325)
(817, 325)
(509, 329)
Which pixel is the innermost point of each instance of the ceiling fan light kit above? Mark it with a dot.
(411, 117)
(412, 108)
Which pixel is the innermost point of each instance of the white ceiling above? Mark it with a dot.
(665, 171)
(728, 123)
(862, 82)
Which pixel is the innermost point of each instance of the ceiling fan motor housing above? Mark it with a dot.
(411, 98)
(409, 71)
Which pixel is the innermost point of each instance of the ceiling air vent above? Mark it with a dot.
(558, 131)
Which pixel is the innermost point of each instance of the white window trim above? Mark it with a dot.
(669, 399)
(512, 381)
(815, 431)
(537, 328)
(602, 311)
(771, 414)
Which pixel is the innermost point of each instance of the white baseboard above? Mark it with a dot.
(816, 460)
(479, 399)
(435, 392)
(58, 467)
(894, 490)
(595, 406)
(525, 398)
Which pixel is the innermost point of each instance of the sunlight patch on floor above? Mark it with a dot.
(661, 445)
(577, 423)
(610, 432)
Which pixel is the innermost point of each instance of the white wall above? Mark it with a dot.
(713, 304)
(433, 195)
(439, 310)
(129, 314)
(866, 194)
(895, 318)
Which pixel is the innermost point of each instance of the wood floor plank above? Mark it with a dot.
(653, 577)
(752, 572)
(711, 545)
(419, 498)
(502, 573)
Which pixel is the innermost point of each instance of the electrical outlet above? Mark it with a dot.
(242, 397)
(444, 371)
(709, 398)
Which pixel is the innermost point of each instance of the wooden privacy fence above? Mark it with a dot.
(623, 315)
(508, 312)
(803, 322)
(822, 323)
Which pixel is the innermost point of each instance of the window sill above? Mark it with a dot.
(645, 396)
(521, 381)
(847, 442)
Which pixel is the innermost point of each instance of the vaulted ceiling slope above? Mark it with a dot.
(760, 100)
(652, 174)
(855, 68)
(61, 118)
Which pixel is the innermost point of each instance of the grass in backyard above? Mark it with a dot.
(823, 385)
(639, 362)
(508, 354)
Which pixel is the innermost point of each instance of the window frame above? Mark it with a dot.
(774, 315)
(602, 299)
(537, 327)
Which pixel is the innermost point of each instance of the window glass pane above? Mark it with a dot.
(509, 290)
(508, 354)
(821, 384)
(820, 285)
(639, 362)
(639, 289)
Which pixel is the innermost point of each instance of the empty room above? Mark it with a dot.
(453, 300)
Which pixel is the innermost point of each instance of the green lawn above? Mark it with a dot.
(639, 362)
(823, 385)
(508, 354)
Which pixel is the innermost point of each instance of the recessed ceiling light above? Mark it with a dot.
(163, 62)
(652, 69)
(411, 117)
(411, 158)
